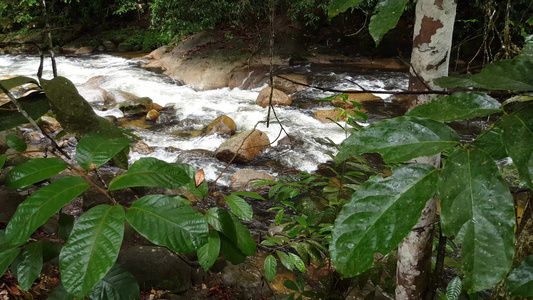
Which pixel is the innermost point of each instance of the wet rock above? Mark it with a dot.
(243, 179)
(109, 46)
(152, 115)
(289, 142)
(95, 81)
(327, 115)
(360, 98)
(288, 86)
(159, 52)
(195, 155)
(92, 91)
(50, 125)
(156, 268)
(154, 106)
(84, 50)
(246, 145)
(221, 125)
(130, 103)
(33, 137)
(278, 98)
(246, 278)
(142, 148)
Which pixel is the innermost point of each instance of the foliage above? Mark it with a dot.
(87, 259)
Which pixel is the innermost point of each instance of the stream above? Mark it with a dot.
(192, 110)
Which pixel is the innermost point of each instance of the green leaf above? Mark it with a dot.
(515, 75)
(208, 253)
(229, 226)
(230, 251)
(166, 221)
(16, 143)
(297, 261)
(490, 141)
(94, 150)
(400, 139)
(476, 204)
(151, 172)
(457, 107)
(30, 265)
(35, 104)
(7, 256)
(285, 260)
(517, 137)
(33, 171)
(116, 284)
(3, 158)
(291, 285)
(520, 280)
(92, 248)
(59, 293)
(339, 6)
(200, 191)
(388, 12)
(379, 216)
(16, 81)
(240, 207)
(41, 205)
(453, 291)
(270, 267)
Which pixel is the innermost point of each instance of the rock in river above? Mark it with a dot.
(252, 141)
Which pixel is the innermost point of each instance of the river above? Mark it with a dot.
(192, 110)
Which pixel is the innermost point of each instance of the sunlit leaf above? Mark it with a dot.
(400, 139)
(387, 14)
(208, 253)
(166, 221)
(476, 204)
(33, 171)
(240, 207)
(92, 248)
(520, 280)
(297, 261)
(116, 284)
(339, 6)
(41, 205)
(379, 216)
(16, 143)
(457, 107)
(151, 172)
(517, 137)
(270, 267)
(30, 266)
(94, 150)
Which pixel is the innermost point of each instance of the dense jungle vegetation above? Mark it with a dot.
(478, 248)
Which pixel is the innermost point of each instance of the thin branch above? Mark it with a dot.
(50, 45)
(271, 75)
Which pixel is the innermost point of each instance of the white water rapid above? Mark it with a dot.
(204, 106)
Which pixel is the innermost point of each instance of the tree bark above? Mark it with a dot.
(430, 57)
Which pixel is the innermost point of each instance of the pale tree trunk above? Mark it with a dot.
(430, 57)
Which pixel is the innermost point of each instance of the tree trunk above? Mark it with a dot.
(430, 57)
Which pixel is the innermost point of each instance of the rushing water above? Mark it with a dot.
(195, 109)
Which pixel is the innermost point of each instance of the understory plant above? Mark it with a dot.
(88, 254)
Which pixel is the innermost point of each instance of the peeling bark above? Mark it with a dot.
(430, 58)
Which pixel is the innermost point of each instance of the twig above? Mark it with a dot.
(50, 45)
(271, 76)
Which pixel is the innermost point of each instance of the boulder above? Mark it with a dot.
(84, 50)
(325, 115)
(50, 124)
(109, 46)
(290, 87)
(248, 144)
(142, 148)
(130, 103)
(244, 178)
(278, 98)
(221, 125)
(152, 115)
(360, 98)
(156, 268)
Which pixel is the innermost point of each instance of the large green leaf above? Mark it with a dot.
(226, 223)
(240, 207)
(35, 104)
(41, 205)
(166, 221)
(208, 253)
(34, 171)
(151, 172)
(476, 204)
(95, 150)
(92, 248)
(387, 14)
(16, 81)
(30, 265)
(515, 75)
(379, 216)
(116, 284)
(230, 251)
(517, 137)
(520, 280)
(490, 141)
(339, 6)
(7, 256)
(457, 107)
(270, 267)
(199, 191)
(400, 139)
(16, 143)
